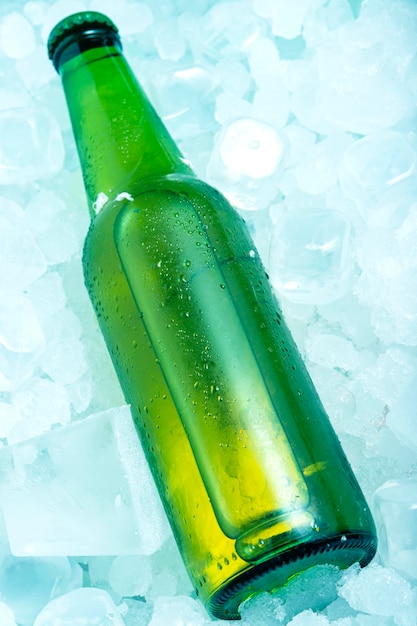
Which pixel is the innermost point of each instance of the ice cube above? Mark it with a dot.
(332, 351)
(177, 610)
(183, 96)
(48, 296)
(81, 606)
(262, 609)
(376, 163)
(130, 575)
(6, 615)
(42, 402)
(317, 171)
(64, 361)
(17, 37)
(251, 148)
(395, 505)
(168, 40)
(287, 19)
(31, 145)
(259, 50)
(358, 88)
(233, 77)
(36, 71)
(9, 416)
(220, 34)
(136, 612)
(21, 259)
(380, 591)
(401, 418)
(311, 256)
(20, 330)
(27, 584)
(309, 618)
(246, 161)
(35, 11)
(83, 489)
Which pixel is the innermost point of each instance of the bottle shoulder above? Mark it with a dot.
(160, 199)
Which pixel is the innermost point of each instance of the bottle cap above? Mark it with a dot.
(86, 24)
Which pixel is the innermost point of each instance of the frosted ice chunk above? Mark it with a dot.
(130, 575)
(311, 256)
(21, 259)
(317, 171)
(82, 606)
(288, 18)
(6, 615)
(168, 40)
(64, 361)
(31, 145)
(245, 162)
(271, 100)
(16, 368)
(43, 402)
(395, 506)
(305, 86)
(60, 243)
(35, 11)
(135, 612)
(381, 591)
(20, 330)
(258, 51)
(312, 590)
(17, 37)
(390, 376)
(183, 96)
(27, 584)
(82, 489)
(388, 282)
(233, 76)
(300, 141)
(47, 295)
(229, 107)
(169, 576)
(9, 416)
(264, 609)
(358, 89)
(375, 163)
(251, 148)
(309, 618)
(180, 610)
(220, 33)
(401, 418)
(271, 103)
(131, 18)
(36, 71)
(332, 351)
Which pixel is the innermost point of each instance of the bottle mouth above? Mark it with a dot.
(81, 31)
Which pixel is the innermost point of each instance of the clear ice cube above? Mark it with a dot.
(31, 146)
(86, 606)
(395, 505)
(27, 584)
(311, 256)
(83, 489)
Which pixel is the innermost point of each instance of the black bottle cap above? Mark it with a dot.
(87, 29)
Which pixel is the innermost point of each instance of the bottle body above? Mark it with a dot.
(252, 476)
(251, 473)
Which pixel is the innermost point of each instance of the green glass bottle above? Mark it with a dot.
(252, 476)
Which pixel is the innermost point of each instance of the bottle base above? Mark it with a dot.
(276, 571)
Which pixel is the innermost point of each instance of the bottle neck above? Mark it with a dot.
(119, 136)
